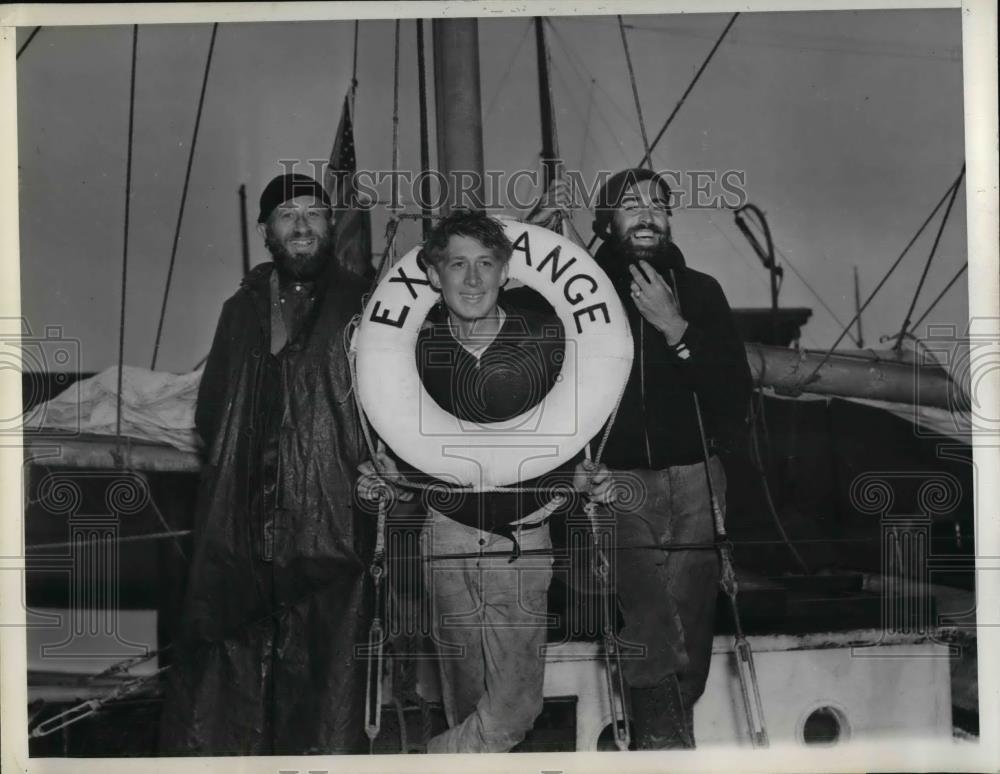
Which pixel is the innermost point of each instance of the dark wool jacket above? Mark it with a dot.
(276, 599)
(656, 425)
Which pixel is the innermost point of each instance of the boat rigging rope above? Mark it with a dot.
(647, 158)
(690, 88)
(128, 198)
(354, 57)
(813, 374)
(184, 193)
(27, 43)
(394, 196)
(814, 292)
(375, 652)
(515, 56)
(758, 462)
(613, 129)
(179, 533)
(425, 163)
(937, 240)
(940, 295)
(746, 671)
(764, 252)
(586, 124)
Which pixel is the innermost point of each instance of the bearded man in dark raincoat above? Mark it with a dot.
(277, 605)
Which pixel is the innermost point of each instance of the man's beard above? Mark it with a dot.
(661, 255)
(301, 267)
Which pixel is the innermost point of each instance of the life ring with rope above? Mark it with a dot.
(592, 378)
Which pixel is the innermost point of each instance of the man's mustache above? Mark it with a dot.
(646, 227)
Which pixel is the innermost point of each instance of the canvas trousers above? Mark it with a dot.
(667, 598)
(488, 621)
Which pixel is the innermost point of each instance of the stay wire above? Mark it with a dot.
(805, 282)
(940, 295)
(128, 199)
(507, 70)
(930, 258)
(184, 194)
(584, 75)
(635, 94)
(647, 156)
(425, 183)
(354, 57)
(395, 120)
(847, 328)
(586, 124)
(27, 43)
(558, 73)
(812, 290)
(690, 88)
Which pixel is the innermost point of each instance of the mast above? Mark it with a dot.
(550, 145)
(459, 110)
(244, 241)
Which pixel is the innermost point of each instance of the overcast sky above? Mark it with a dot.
(848, 127)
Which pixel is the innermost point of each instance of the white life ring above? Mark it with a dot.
(594, 371)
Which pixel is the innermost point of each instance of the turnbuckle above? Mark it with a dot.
(613, 673)
(373, 708)
(745, 669)
(87, 708)
(66, 718)
(748, 685)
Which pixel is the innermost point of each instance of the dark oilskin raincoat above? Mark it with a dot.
(278, 594)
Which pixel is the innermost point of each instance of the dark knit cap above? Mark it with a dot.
(611, 193)
(285, 187)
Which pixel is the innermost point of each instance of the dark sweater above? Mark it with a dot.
(511, 376)
(656, 426)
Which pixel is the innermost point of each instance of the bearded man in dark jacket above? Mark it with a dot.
(690, 368)
(276, 600)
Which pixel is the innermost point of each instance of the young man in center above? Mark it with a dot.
(487, 556)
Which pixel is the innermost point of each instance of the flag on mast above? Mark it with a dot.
(354, 226)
